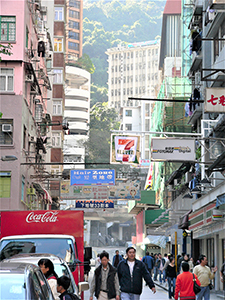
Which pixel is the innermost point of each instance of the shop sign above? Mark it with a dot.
(130, 190)
(215, 100)
(172, 149)
(94, 204)
(92, 177)
(217, 215)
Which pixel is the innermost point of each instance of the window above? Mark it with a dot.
(24, 137)
(58, 76)
(147, 124)
(58, 44)
(6, 80)
(147, 110)
(112, 80)
(74, 25)
(74, 3)
(6, 131)
(27, 37)
(59, 14)
(56, 139)
(128, 113)
(57, 107)
(128, 91)
(5, 184)
(115, 79)
(7, 28)
(74, 35)
(73, 46)
(112, 93)
(131, 78)
(22, 188)
(132, 54)
(115, 92)
(128, 127)
(149, 52)
(74, 14)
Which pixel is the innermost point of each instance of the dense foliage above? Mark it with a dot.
(109, 23)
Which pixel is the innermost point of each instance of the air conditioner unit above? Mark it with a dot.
(29, 78)
(6, 128)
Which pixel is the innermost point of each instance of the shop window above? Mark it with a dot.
(5, 184)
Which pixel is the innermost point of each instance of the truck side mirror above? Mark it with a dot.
(83, 286)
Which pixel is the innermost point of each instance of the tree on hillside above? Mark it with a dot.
(102, 121)
(85, 63)
(98, 94)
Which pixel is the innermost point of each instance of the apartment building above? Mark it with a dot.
(24, 86)
(74, 29)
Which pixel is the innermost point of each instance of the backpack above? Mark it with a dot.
(73, 296)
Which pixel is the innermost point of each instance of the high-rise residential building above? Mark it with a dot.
(132, 72)
(74, 29)
(24, 86)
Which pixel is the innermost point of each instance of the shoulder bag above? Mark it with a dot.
(196, 287)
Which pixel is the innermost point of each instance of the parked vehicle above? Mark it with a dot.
(55, 232)
(23, 281)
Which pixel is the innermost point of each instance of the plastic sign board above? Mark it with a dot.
(215, 100)
(94, 204)
(92, 177)
(129, 190)
(171, 149)
(125, 149)
(217, 215)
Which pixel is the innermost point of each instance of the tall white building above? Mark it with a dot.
(77, 114)
(133, 71)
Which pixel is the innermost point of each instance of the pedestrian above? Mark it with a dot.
(116, 259)
(160, 264)
(191, 265)
(63, 284)
(87, 268)
(97, 261)
(155, 269)
(222, 275)
(105, 283)
(171, 275)
(204, 275)
(149, 262)
(185, 284)
(48, 270)
(166, 257)
(179, 261)
(131, 273)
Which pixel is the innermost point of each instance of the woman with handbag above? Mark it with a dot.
(185, 284)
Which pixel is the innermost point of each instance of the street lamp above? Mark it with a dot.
(9, 158)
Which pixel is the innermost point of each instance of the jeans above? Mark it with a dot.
(171, 286)
(205, 293)
(162, 276)
(155, 270)
(129, 296)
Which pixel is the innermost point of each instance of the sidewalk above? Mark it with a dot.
(214, 295)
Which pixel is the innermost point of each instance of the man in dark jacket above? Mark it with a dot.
(105, 283)
(131, 272)
(149, 262)
(160, 264)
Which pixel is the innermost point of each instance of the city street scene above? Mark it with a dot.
(112, 149)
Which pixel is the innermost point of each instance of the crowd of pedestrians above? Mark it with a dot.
(123, 279)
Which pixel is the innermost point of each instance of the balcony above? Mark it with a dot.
(76, 104)
(76, 115)
(196, 114)
(73, 93)
(196, 62)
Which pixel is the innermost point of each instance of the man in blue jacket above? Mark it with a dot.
(116, 259)
(149, 262)
(131, 272)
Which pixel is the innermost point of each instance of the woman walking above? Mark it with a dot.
(171, 277)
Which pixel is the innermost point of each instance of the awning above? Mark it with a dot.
(184, 221)
(40, 190)
(218, 165)
(220, 200)
(158, 240)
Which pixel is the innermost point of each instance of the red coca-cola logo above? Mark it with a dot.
(48, 217)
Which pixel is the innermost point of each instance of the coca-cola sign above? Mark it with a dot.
(47, 217)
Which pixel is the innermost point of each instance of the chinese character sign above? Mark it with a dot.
(94, 204)
(125, 149)
(92, 177)
(215, 100)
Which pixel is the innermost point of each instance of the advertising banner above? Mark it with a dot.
(173, 149)
(215, 100)
(94, 204)
(125, 149)
(92, 177)
(82, 192)
(130, 190)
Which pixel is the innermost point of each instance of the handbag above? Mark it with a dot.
(210, 286)
(196, 287)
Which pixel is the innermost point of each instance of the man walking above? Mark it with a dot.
(160, 264)
(204, 275)
(149, 262)
(105, 283)
(131, 272)
(116, 259)
(155, 269)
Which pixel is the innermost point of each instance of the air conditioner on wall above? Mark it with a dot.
(29, 78)
(6, 128)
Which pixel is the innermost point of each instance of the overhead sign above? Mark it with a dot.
(92, 177)
(82, 192)
(94, 204)
(125, 149)
(172, 149)
(215, 100)
(130, 190)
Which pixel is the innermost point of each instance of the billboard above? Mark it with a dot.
(94, 204)
(92, 177)
(125, 149)
(172, 149)
(82, 192)
(129, 190)
(215, 100)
